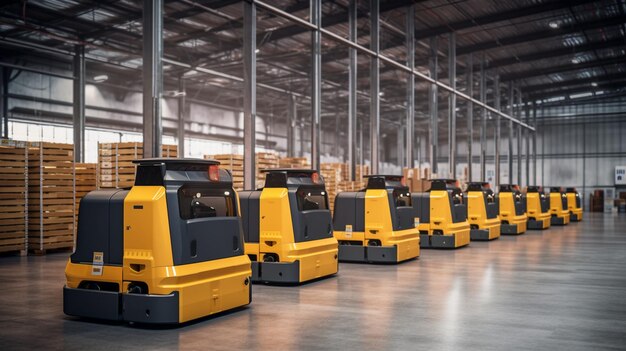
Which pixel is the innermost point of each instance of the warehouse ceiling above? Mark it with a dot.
(549, 49)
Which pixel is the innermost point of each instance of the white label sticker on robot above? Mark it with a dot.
(416, 222)
(348, 230)
(98, 263)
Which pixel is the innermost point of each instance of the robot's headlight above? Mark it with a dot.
(214, 173)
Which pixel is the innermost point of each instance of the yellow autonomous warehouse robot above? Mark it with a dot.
(169, 250)
(574, 205)
(537, 208)
(377, 224)
(512, 210)
(558, 207)
(442, 214)
(288, 228)
(482, 212)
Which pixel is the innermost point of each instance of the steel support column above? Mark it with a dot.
(152, 77)
(452, 104)
(433, 106)
(352, 90)
(527, 137)
(496, 96)
(292, 112)
(182, 109)
(4, 101)
(374, 86)
(535, 144)
(316, 81)
(470, 114)
(79, 103)
(410, 87)
(483, 124)
(249, 95)
(510, 153)
(519, 138)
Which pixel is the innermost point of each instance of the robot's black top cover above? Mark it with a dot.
(555, 189)
(383, 181)
(508, 188)
(162, 171)
(570, 190)
(443, 184)
(534, 189)
(284, 177)
(477, 186)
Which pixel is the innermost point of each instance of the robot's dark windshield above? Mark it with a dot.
(202, 202)
(311, 199)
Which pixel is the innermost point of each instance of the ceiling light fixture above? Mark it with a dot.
(554, 24)
(101, 78)
(257, 51)
(575, 61)
(594, 84)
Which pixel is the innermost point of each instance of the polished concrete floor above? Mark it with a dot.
(564, 288)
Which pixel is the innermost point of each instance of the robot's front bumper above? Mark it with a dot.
(560, 220)
(445, 241)
(116, 306)
(485, 234)
(276, 272)
(373, 254)
(576, 216)
(539, 224)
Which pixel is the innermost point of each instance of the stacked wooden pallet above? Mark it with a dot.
(85, 181)
(294, 162)
(115, 162)
(361, 171)
(233, 163)
(264, 160)
(348, 185)
(51, 198)
(332, 176)
(13, 197)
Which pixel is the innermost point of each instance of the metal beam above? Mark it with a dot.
(292, 113)
(4, 101)
(470, 114)
(316, 81)
(511, 101)
(182, 109)
(374, 86)
(433, 105)
(152, 77)
(498, 17)
(562, 68)
(542, 34)
(527, 137)
(352, 90)
(388, 61)
(540, 89)
(452, 104)
(483, 124)
(410, 87)
(78, 100)
(249, 95)
(496, 96)
(535, 144)
(519, 139)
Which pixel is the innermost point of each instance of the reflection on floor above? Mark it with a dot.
(560, 288)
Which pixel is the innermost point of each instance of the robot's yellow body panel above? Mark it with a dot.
(511, 210)
(442, 213)
(143, 269)
(558, 207)
(482, 212)
(281, 251)
(376, 225)
(574, 205)
(537, 208)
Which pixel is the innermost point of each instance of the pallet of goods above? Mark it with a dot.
(232, 163)
(264, 160)
(331, 172)
(13, 197)
(51, 197)
(115, 162)
(294, 162)
(85, 181)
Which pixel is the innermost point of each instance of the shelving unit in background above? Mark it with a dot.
(51, 197)
(115, 162)
(85, 181)
(13, 197)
